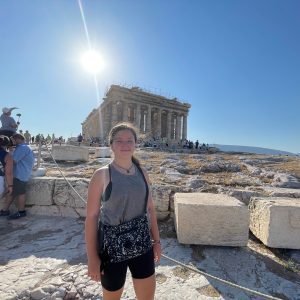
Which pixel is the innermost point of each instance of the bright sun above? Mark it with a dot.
(92, 62)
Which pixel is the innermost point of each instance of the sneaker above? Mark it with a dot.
(4, 213)
(17, 215)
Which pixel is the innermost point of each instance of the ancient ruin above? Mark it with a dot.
(155, 116)
(211, 219)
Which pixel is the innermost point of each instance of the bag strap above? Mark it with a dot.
(105, 196)
(109, 171)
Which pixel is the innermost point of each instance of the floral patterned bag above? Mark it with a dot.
(127, 240)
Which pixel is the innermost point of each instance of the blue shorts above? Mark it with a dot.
(115, 273)
(19, 187)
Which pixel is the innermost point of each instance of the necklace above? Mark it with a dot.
(127, 170)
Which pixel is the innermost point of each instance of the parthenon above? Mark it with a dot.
(153, 115)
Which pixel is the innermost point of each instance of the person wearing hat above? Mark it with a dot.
(9, 125)
(6, 170)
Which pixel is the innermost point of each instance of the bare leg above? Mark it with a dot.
(7, 202)
(107, 295)
(21, 202)
(144, 288)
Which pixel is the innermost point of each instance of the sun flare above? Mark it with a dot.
(92, 62)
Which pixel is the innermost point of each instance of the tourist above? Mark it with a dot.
(197, 144)
(37, 139)
(60, 140)
(27, 136)
(123, 188)
(9, 125)
(6, 170)
(23, 161)
(79, 139)
(48, 138)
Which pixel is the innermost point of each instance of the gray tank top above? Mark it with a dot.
(126, 200)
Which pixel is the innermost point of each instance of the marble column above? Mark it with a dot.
(138, 116)
(107, 119)
(101, 123)
(169, 120)
(178, 127)
(148, 127)
(125, 111)
(158, 128)
(114, 114)
(184, 129)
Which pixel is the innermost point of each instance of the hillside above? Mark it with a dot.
(250, 149)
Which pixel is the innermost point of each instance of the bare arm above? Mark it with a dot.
(91, 223)
(154, 225)
(9, 173)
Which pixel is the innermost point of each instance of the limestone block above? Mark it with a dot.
(102, 152)
(276, 221)
(160, 195)
(81, 212)
(69, 152)
(40, 191)
(163, 199)
(39, 172)
(161, 216)
(211, 219)
(64, 195)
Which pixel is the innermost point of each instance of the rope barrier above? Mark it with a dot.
(221, 280)
(59, 169)
(265, 296)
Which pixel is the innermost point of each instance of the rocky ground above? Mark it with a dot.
(44, 257)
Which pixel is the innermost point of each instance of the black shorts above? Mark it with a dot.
(19, 187)
(115, 273)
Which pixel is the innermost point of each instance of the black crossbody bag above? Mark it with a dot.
(126, 240)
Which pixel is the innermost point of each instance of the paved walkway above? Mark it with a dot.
(44, 258)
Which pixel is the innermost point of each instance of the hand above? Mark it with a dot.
(9, 190)
(18, 123)
(94, 269)
(157, 252)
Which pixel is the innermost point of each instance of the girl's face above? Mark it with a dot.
(123, 144)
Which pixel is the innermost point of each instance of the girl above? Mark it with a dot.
(118, 195)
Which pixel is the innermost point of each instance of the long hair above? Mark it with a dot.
(124, 126)
(4, 141)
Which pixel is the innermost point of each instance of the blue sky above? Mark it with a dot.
(236, 62)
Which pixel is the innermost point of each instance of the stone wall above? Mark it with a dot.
(54, 197)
